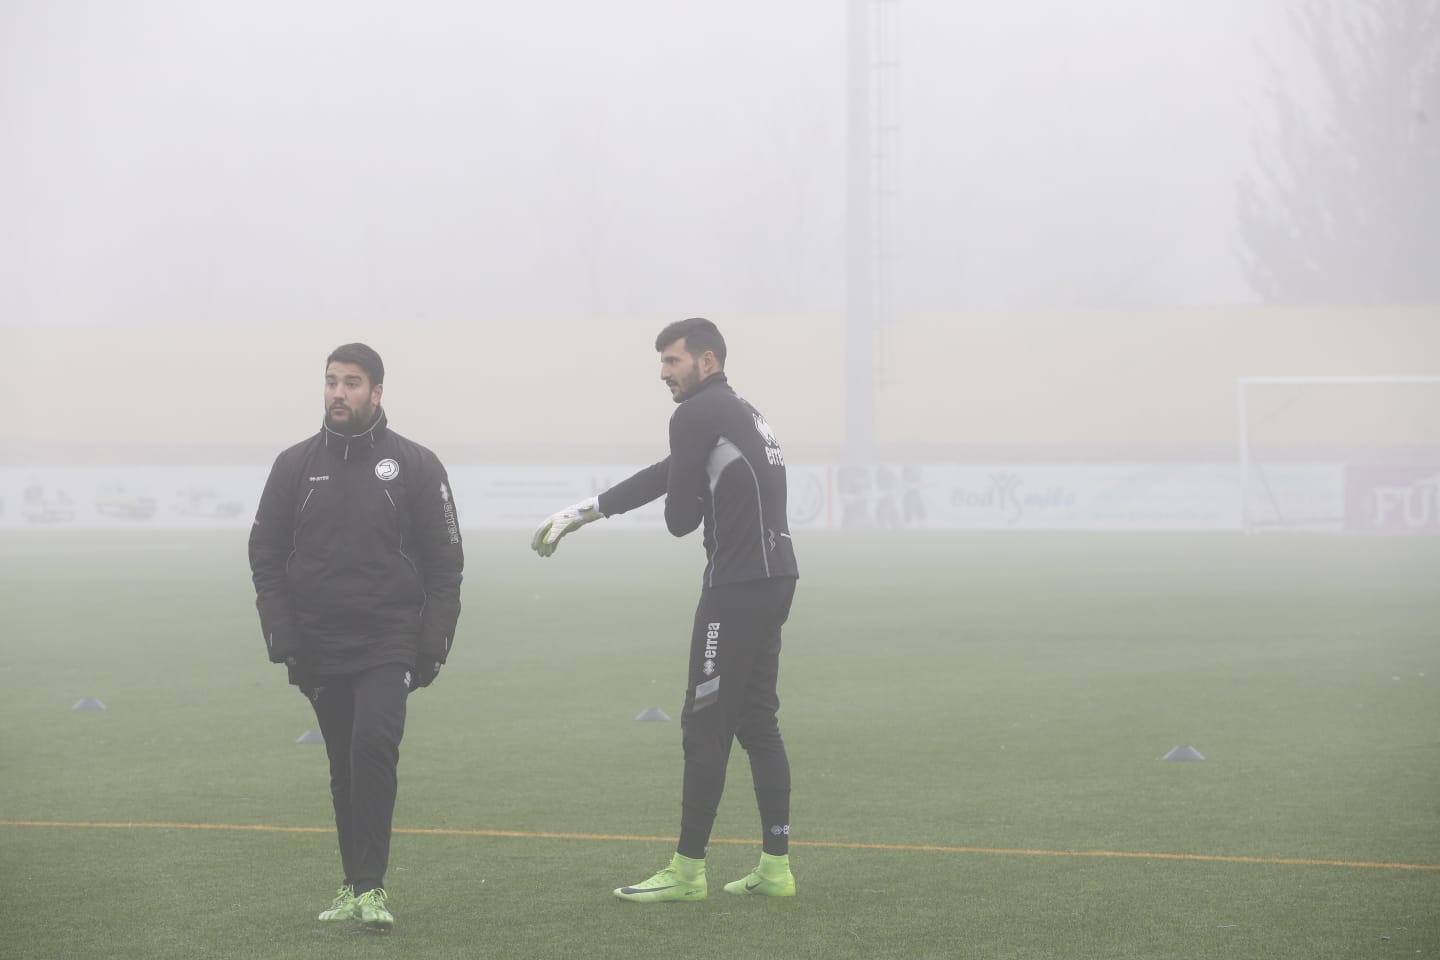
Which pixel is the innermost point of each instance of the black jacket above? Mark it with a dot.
(356, 553)
(726, 469)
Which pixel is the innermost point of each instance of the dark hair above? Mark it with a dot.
(363, 357)
(699, 335)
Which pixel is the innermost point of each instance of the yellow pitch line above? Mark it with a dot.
(1122, 854)
(830, 844)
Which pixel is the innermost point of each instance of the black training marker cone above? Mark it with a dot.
(311, 736)
(652, 713)
(1183, 753)
(88, 703)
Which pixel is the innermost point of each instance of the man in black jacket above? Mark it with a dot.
(725, 469)
(357, 561)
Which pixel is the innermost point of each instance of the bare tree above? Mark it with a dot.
(1345, 207)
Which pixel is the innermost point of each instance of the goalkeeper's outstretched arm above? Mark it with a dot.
(634, 491)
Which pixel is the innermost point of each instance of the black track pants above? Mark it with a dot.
(362, 717)
(734, 665)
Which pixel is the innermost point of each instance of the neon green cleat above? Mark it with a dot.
(771, 879)
(371, 911)
(684, 879)
(342, 907)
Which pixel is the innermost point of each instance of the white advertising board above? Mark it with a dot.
(1125, 496)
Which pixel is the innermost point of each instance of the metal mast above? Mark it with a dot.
(871, 188)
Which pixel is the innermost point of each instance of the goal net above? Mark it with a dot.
(1340, 454)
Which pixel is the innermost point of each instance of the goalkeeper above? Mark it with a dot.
(726, 470)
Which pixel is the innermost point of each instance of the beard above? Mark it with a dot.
(353, 422)
(686, 385)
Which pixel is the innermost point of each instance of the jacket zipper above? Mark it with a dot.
(401, 550)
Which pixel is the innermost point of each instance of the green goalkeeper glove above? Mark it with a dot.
(572, 518)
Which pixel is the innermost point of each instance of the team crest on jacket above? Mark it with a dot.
(387, 469)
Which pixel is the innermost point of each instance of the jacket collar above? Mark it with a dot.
(716, 379)
(343, 445)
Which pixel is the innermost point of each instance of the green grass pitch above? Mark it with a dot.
(975, 723)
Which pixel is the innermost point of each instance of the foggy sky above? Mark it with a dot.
(265, 162)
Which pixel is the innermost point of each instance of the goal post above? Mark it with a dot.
(1339, 454)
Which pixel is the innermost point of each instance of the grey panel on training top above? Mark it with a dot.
(724, 454)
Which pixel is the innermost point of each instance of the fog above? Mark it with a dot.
(508, 200)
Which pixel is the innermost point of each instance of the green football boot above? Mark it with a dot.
(684, 879)
(371, 911)
(771, 879)
(342, 907)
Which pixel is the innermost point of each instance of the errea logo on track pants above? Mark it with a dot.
(712, 647)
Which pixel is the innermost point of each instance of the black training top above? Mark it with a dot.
(725, 468)
(356, 553)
